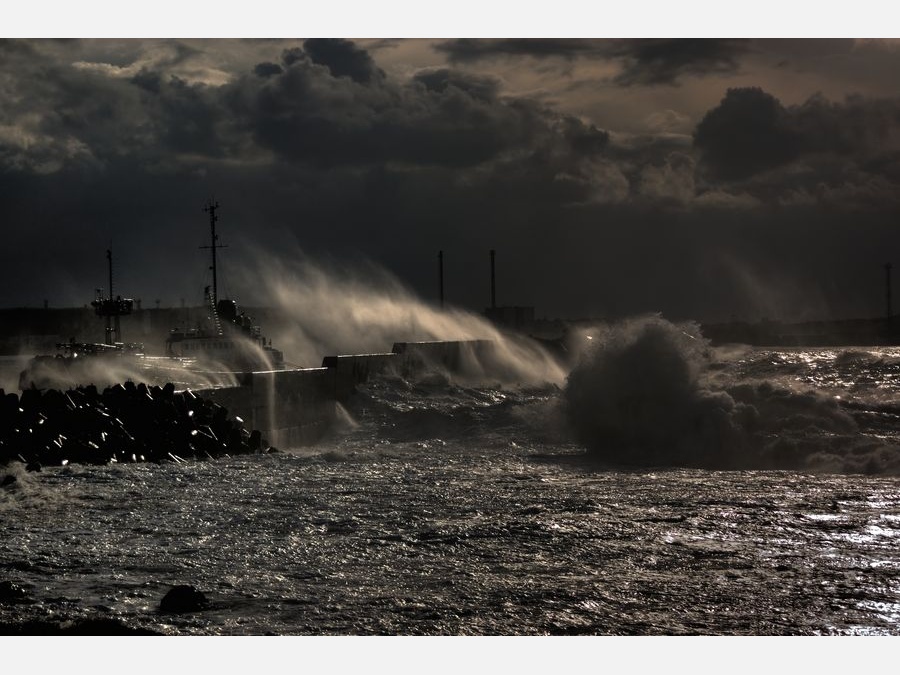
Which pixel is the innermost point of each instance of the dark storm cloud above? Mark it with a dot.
(475, 49)
(89, 147)
(266, 69)
(478, 86)
(292, 55)
(848, 144)
(329, 104)
(148, 80)
(644, 62)
(440, 117)
(343, 58)
(653, 62)
(750, 131)
(15, 47)
(583, 139)
(799, 51)
(317, 145)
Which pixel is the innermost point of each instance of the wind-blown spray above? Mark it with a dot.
(365, 309)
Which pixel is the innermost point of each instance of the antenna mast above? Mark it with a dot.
(112, 308)
(887, 292)
(441, 276)
(112, 336)
(210, 208)
(493, 282)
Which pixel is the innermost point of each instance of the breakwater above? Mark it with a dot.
(131, 422)
(296, 407)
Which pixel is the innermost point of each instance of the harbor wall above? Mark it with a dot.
(297, 407)
(346, 371)
(463, 357)
(289, 407)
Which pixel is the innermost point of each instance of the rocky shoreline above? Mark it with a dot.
(123, 423)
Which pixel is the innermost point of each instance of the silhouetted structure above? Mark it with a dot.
(210, 208)
(493, 282)
(516, 318)
(230, 340)
(441, 276)
(887, 292)
(112, 308)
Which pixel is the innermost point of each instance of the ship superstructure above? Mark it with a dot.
(229, 340)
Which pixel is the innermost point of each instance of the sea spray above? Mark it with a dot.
(635, 398)
(336, 309)
(50, 372)
(644, 395)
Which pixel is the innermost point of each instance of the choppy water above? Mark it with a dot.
(446, 510)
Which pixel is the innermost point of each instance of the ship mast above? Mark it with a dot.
(210, 208)
(109, 333)
(112, 308)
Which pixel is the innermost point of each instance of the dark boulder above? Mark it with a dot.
(11, 593)
(182, 599)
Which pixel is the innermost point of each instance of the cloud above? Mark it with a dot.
(343, 58)
(672, 182)
(312, 141)
(749, 132)
(440, 79)
(661, 121)
(469, 50)
(666, 61)
(840, 153)
(438, 117)
(645, 62)
(267, 69)
(723, 199)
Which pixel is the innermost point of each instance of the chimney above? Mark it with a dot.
(493, 282)
(887, 291)
(441, 276)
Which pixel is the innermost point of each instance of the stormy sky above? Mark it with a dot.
(700, 178)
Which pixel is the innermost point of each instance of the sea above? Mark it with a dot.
(441, 508)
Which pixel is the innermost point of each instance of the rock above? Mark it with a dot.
(11, 593)
(182, 599)
(126, 422)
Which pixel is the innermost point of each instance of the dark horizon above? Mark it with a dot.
(703, 179)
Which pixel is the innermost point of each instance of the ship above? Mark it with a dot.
(230, 340)
(78, 362)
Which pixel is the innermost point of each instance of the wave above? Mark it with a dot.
(645, 395)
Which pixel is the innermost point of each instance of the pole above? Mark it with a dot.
(441, 276)
(887, 291)
(109, 330)
(210, 208)
(493, 282)
(109, 258)
(213, 238)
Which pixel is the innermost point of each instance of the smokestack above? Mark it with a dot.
(493, 282)
(887, 291)
(441, 276)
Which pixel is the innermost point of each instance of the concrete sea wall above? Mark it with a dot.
(296, 407)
